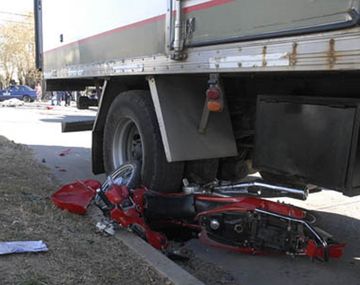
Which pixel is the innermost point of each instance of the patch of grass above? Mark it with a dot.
(34, 280)
(27, 214)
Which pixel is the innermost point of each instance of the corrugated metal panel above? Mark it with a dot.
(339, 50)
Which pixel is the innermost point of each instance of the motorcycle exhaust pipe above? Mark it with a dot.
(242, 188)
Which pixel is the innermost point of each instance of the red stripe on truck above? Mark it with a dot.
(198, 7)
(122, 28)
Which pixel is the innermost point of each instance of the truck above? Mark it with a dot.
(213, 89)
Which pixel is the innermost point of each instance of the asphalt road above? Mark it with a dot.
(69, 156)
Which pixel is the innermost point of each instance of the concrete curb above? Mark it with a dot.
(158, 261)
(163, 265)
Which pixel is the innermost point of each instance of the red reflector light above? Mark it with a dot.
(214, 106)
(213, 93)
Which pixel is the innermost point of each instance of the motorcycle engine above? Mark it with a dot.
(254, 230)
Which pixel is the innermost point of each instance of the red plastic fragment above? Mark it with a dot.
(334, 250)
(76, 197)
(65, 152)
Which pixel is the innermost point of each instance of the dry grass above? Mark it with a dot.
(77, 255)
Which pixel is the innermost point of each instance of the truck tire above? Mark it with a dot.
(132, 133)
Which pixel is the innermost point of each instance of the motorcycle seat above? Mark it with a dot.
(168, 206)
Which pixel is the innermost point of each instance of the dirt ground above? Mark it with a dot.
(77, 255)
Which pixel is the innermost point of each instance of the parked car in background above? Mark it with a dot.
(21, 92)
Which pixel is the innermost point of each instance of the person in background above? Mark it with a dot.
(38, 91)
(59, 97)
(53, 98)
(67, 98)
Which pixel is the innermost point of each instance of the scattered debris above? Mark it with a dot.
(65, 152)
(22, 246)
(178, 254)
(105, 226)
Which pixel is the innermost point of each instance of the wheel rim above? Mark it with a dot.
(26, 99)
(124, 175)
(127, 143)
(121, 176)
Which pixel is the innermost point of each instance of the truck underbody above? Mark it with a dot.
(285, 104)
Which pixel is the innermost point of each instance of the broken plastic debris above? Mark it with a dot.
(76, 197)
(106, 227)
(65, 152)
(22, 246)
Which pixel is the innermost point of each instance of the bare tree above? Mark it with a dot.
(17, 52)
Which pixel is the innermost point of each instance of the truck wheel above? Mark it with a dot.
(132, 133)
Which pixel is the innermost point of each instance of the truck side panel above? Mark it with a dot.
(110, 45)
(233, 20)
(104, 31)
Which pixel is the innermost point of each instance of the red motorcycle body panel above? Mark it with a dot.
(76, 197)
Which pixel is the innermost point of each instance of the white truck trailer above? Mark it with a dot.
(209, 89)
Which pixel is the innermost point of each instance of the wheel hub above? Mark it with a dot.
(127, 143)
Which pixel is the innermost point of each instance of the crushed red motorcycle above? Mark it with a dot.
(230, 216)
